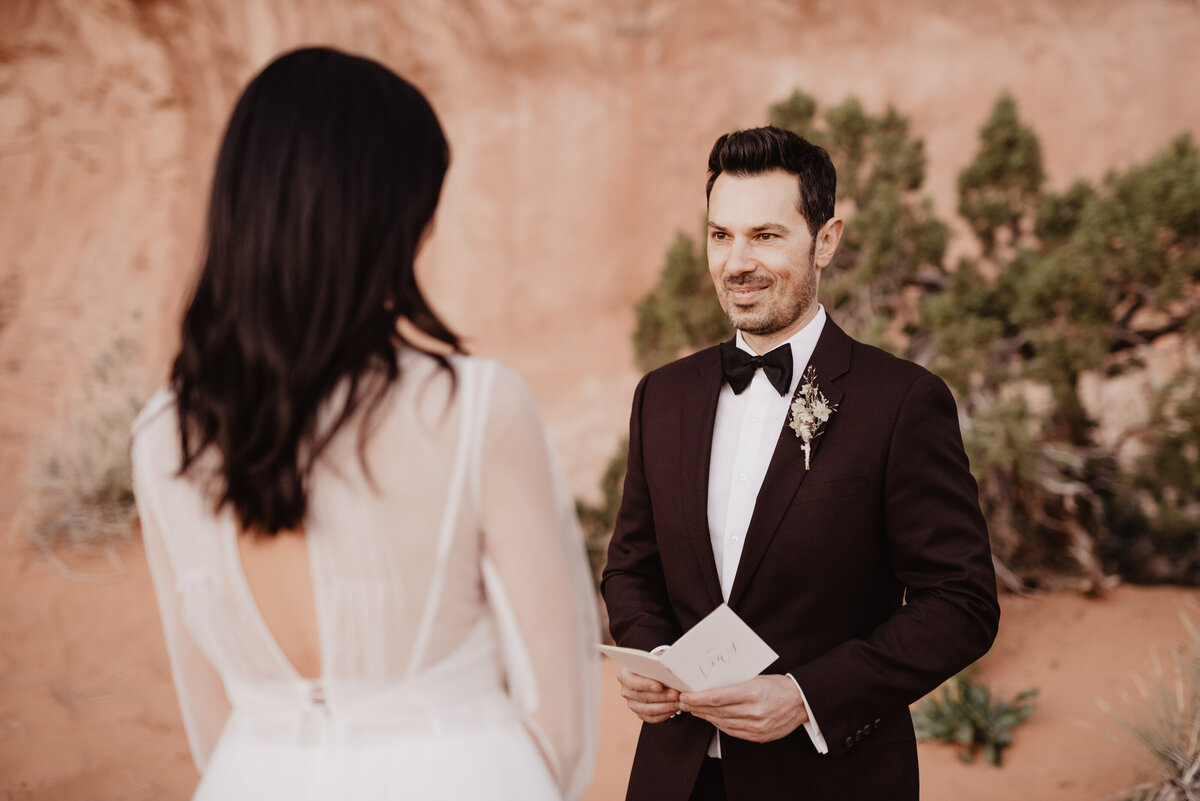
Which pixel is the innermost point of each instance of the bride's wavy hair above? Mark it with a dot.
(326, 181)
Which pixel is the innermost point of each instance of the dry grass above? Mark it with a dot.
(1165, 724)
(82, 485)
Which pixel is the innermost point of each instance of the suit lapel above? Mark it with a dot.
(698, 417)
(830, 360)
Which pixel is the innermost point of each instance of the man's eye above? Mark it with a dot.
(719, 235)
(765, 236)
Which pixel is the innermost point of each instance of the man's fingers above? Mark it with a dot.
(743, 728)
(628, 678)
(653, 713)
(722, 714)
(690, 702)
(653, 709)
(640, 688)
(710, 698)
(647, 698)
(665, 696)
(633, 681)
(746, 692)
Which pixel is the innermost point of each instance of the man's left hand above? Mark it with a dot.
(766, 708)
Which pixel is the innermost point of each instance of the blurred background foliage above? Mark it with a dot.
(1068, 293)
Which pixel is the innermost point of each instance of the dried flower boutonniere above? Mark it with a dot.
(811, 410)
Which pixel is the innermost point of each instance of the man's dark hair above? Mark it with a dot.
(758, 150)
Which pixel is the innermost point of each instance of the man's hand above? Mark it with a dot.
(648, 699)
(766, 708)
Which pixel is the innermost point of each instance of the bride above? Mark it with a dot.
(371, 580)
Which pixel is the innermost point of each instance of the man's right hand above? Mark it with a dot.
(648, 699)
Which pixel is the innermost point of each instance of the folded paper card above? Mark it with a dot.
(718, 651)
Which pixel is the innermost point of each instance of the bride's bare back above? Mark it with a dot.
(278, 573)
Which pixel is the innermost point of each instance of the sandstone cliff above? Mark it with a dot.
(579, 133)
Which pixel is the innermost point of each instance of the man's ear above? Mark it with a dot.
(828, 238)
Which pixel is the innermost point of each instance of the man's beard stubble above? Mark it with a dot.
(782, 312)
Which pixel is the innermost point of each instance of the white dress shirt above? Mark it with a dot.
(744, 437)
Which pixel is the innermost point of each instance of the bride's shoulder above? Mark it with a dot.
(505, 385)
(497, 380)
(481, 386)
(155, 413)
(488, 384)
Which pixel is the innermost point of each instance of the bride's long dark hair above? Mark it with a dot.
(326, 180)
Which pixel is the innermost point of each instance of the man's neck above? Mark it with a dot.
(765, 343)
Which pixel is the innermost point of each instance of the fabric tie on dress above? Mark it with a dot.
(739, 366)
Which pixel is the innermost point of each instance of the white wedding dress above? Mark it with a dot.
(454, 608)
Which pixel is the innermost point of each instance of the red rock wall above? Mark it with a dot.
(579, 131)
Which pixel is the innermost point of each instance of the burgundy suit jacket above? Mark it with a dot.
(870, 574)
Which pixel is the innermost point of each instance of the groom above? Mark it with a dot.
(817, 485)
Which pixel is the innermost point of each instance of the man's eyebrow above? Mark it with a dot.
(770, 227)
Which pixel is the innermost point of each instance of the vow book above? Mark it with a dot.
(718, 651)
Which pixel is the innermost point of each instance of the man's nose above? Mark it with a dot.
(741, 259)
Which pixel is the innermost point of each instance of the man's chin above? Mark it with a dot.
(745, 318)
(756, 327)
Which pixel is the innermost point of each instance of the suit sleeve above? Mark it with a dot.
(633, 584)
(939, 550)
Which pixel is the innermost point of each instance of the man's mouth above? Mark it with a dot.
(745, 294)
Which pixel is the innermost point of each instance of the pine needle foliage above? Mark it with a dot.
(1002, 186)
(894, 244)
(1085, 280)
(681, 313)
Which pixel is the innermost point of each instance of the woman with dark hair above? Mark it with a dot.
(370, 576)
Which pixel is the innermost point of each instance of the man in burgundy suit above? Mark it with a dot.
(845, 529)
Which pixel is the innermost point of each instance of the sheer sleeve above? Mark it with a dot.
(201, 692)
(539, 585)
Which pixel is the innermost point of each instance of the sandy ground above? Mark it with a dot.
(87, 710)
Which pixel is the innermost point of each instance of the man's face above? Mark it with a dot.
(761, 256)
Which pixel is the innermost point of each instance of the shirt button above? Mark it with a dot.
(742, 476)
(735, 539)
(754, 418)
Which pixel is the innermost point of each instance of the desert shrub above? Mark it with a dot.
(1002, 186)
(965, 716)
(1156, 517)
(83, 483)
(1085, 279)
(681, 313)
(1166, 726)
(597, 520)
(894, 245)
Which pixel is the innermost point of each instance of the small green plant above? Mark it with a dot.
(1166, 725)
(965, 716)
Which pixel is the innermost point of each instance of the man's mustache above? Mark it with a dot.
(746, 279)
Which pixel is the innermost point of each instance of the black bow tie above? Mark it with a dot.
(739, 366)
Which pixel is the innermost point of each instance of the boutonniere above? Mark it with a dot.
(810, 412)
